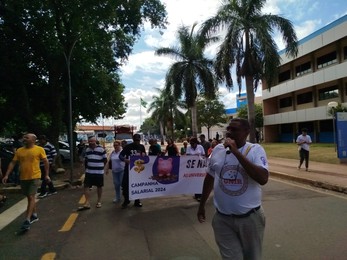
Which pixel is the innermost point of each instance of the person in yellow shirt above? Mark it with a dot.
(29, 157)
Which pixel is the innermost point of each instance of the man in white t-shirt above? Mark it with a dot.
(198, 150)
(236, 171)
(304, 141)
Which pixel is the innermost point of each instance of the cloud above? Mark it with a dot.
(145, 71)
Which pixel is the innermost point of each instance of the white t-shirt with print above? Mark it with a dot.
(306, 139)
(234, 191)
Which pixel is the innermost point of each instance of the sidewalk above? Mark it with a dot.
(323, 175)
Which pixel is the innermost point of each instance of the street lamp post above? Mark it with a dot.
(68, 62)
(333, 105)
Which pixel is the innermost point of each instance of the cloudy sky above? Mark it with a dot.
(145, 71)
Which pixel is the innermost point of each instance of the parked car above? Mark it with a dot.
(64, 150)
(6, 156)
(129, 141)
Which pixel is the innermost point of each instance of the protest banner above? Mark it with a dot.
(154, 176)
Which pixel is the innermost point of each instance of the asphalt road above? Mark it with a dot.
(301, 224)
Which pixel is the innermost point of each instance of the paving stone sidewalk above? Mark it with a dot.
(323, 175)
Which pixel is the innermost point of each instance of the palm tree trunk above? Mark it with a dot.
(251, 108)
(194, 121)
(161, 132)
(172, 126)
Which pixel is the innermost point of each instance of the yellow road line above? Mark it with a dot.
(82, 200)
(49, 256)
(69, 222)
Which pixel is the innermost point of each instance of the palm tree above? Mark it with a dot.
(192, 72)
(165, 109)
(249, 45)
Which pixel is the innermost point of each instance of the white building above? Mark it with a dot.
(305, 86)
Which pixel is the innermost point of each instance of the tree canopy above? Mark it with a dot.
(249, 45)
(36, 37)
(192, 72)
(210, 113)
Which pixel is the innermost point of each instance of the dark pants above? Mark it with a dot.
(304, 156)
(44, 183)
(125, 187)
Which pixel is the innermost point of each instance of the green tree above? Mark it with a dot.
(37, 37)
(151, 126)
(210, 113)
(249, 45)
(242, 112)
(339, 108)
(192, 73)
(165, 108)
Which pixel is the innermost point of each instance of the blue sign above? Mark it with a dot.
(341, 131)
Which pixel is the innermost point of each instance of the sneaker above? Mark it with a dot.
(26, 225)
(52, 193)
(33, 219)
(125, 204)
(138, 204)
(42, 195)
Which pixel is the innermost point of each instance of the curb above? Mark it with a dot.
(317, 184)
(58, 185)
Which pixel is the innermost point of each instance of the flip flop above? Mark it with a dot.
(85, 207)
(98, 205)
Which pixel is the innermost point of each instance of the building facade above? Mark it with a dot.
(306, 85)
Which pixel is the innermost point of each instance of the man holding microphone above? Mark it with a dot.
(236, 171)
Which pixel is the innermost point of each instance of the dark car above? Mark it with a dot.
(6, 156)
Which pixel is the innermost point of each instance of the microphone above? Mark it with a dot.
(227, 148)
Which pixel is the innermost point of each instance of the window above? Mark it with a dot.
(327, 93)
(345, 52)
(304, 98)
(283, 76)
(326, 60)
(303, 69)
(286, 128)
(286, 102)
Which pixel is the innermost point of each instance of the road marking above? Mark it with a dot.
(49, 256)
(82, 200)
(69, 222)
(316, 189)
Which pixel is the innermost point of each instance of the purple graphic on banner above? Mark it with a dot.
(166, 169)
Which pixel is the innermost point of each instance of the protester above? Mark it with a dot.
(304, 141)
(117, 168)
(171, 148)
(134, 148)
(123, 143)
(195, 149)
(184, 148)
(236, 171)
(217, 136)
(153, 147)
(17, 143)
(204, 144)
(51, 153)
(29, 158)
(3, 198)
(214, 142)
(81, 148)
(95, 160)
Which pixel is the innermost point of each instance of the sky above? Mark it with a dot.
(144, 71)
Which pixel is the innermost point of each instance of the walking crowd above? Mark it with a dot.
(236, 170)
